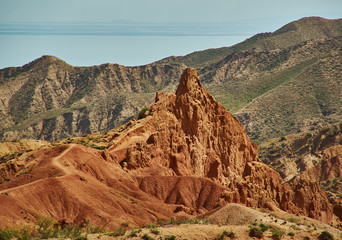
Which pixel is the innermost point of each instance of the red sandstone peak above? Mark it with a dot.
(191, 134)
(188, 155)
(189, 82)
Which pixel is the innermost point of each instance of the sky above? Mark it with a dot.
(138, 32)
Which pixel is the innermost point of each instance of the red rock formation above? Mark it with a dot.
(329, 168)
(189, 155)
(191, 134)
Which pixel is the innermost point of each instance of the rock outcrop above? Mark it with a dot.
(191, 134)
(188, 155)
(315, 155)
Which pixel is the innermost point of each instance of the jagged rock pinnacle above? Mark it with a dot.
(188, 82)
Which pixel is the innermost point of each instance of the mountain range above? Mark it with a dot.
(277, 83)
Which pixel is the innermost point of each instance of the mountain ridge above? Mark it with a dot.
(50, 99)
(254, 41)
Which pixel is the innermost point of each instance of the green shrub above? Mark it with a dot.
(81, 237)
(224, 234)
(119, 232)
(98, 147)
(277, 234)
(155, 231)
(255, 232)
(325, 236)
(171, 221)
(142, 113)
(263, 227)
(196, 221)
(94, 229)
(134, 232)
(47, 228)
(25, 234)
(72, 231)
(6, 234)
(291, 234)
(147, 237)
(170, 237)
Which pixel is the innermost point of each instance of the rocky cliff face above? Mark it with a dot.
(194, 135)
(188, 155)
(190, 134)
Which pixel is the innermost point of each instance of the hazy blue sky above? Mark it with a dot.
(136, 32)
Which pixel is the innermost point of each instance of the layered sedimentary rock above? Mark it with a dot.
(187, 156)
(191, 134)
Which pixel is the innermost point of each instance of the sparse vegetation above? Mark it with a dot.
(142, 113)
(255, 232)
(325, 236)
(98, 147)
(155, 231)
(147, 237)
(225, 233)
(118, 232)
(263, 227)
(175, 221)
(48, 228)
(170, 237)
(134, 232)
(277, 234)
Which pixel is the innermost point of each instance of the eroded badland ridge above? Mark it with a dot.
(188, 156)
(276, 83)
(315, 155)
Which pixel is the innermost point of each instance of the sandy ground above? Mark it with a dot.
(237, 219)
(212, 231)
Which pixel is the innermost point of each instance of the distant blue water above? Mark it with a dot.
(87, 50)
(125, 43)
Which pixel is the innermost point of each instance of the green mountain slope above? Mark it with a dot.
(279, 92)
(290, 35)
(49, 99)
(275, 83)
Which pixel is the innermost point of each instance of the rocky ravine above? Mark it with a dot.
(187, 156)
